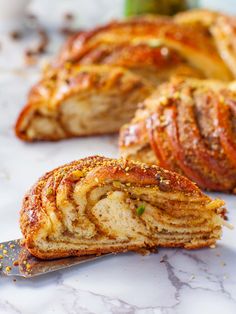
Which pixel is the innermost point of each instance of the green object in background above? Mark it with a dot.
(165, 7)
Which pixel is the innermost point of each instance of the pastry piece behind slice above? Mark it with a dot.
(79, 101)
(98, 205)
(187, 126)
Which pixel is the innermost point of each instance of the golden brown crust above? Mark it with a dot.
(221, 29)
(197, 17)
(189, 44)
(53, 209)
(190, 127)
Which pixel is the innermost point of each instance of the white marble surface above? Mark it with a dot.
(172, 281)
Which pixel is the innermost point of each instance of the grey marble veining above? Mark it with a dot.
(171, 281)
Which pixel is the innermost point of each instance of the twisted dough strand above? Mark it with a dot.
(190, 127)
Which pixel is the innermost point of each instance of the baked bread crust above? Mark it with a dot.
(189, 125)
(189, 45)
(220, 27)
(92, 206)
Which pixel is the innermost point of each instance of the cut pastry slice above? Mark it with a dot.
(187, 126)
(80, 101)
(98, 205)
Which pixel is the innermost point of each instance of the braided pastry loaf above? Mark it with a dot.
(98, 205)
(83, 92)
(187, 126)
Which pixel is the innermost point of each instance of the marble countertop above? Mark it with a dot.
(171, 281)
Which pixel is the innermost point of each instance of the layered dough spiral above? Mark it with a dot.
(98, 205)
(99, 76)
(188, 126)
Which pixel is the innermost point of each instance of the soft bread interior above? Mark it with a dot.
(142, 153)
(84, 114)
(95, 113)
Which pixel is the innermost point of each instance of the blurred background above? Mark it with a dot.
(99, 11)
(32, 30)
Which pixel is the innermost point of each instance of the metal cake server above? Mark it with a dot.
(15, 260)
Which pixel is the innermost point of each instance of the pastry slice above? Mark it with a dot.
(187, 126)
(80, 101)
(98, 205)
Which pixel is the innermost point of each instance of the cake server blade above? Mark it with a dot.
(15, 260)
